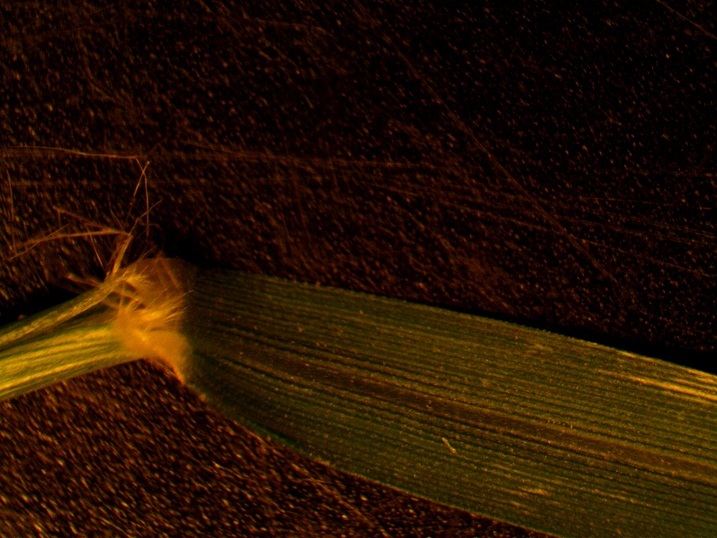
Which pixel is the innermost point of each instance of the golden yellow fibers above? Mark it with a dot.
(135, 313)
(149, 300)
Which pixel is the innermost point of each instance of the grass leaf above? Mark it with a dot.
(538, 429)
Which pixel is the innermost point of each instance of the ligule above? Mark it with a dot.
(135, 313)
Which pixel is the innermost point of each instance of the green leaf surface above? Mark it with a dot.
(538, 429)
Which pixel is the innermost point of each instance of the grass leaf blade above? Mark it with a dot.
(534, 428)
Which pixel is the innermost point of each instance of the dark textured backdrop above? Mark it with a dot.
(549, 166)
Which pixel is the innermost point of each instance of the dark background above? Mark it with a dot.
(550, 166)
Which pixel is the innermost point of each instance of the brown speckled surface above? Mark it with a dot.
(551, 166)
